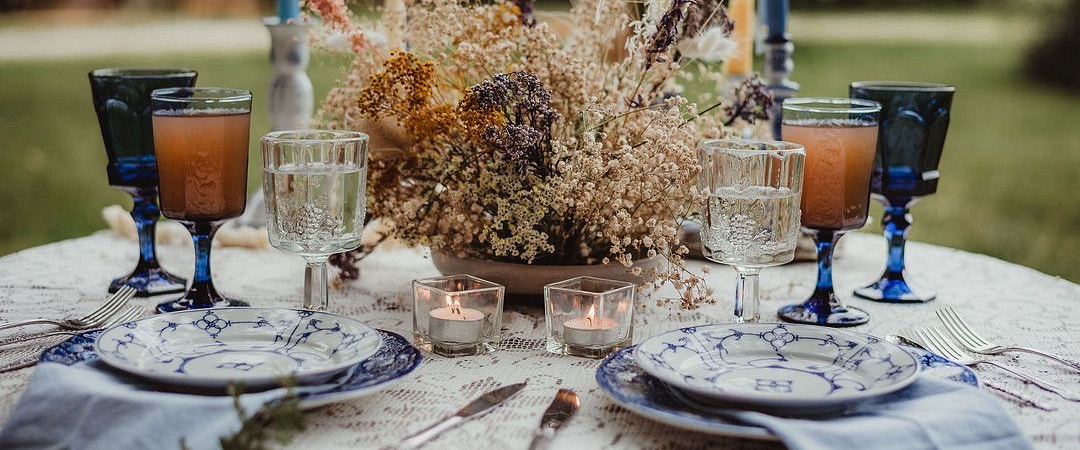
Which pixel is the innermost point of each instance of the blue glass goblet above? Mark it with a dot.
(122, 103)
(914, 119)
(201, 143)
(840, 137)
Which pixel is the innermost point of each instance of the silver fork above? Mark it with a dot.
(131, 313)
(92, 319)
(938, 343)
(973, 341)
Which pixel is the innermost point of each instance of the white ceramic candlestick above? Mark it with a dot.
(456, 324)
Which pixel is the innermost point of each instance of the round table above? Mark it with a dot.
(1007, 302)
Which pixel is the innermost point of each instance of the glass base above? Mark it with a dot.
(149, 282)
(840, 316)
(452, 350)
(558, 348)
(190, 302)
(894, 291)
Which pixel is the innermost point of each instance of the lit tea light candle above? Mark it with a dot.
(454, 323)
(590, 331)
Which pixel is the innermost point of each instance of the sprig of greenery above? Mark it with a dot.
(278, 421)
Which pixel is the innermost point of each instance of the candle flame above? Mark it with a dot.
(455, 306)
(590, 315)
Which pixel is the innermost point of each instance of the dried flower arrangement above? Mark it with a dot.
(502, 133)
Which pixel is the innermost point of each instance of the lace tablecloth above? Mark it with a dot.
(1007, 302)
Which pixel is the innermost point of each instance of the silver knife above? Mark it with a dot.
(474, 408)
(560, 411)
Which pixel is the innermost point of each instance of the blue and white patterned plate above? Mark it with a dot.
(395, 359)
(629, 386)
(210, 348)
(773, 366)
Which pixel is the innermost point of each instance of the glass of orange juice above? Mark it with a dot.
(201, 143)
(840, 138)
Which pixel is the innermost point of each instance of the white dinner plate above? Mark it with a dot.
(621, 378)
(211, 348)
(771, 366)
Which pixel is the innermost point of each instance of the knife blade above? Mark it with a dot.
(474, 408)
(562, 408)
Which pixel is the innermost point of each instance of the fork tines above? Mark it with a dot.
(936, 341)
(960, 328)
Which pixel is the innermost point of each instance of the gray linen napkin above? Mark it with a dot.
(89, 406)
(930, 414)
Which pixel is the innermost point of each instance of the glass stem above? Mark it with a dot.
(747, 302)
(145, 212)
(895, 223)
(820, 302)
(202, 283)
(316, 288)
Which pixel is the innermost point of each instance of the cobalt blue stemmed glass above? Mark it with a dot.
(914, 119)
(840, 138)
(201, 143)
(122, 103)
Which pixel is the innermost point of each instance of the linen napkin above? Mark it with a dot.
(930, 414)
(90, 406)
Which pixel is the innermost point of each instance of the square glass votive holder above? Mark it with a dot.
(589, 317)
(457, 315)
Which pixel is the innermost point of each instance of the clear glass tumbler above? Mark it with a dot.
(751, 213)
(315, 182)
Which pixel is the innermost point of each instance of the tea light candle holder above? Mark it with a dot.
(457, 315)
(589, 317)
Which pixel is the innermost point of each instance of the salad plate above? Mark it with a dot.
(630, 386)
(210, 348)
(395, 359)
(771, 366)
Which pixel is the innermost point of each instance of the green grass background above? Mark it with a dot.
(1011, 158)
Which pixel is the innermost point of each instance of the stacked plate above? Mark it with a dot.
(692, 376)
(258, 347)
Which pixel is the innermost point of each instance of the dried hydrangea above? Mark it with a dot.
(523, 137)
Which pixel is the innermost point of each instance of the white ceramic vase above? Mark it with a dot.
(527, 281)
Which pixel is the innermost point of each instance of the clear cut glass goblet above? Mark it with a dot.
(751, 213)
(122, 103)
(914, 120)
(315, 182)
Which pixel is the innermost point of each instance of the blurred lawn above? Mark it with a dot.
(1011, 153)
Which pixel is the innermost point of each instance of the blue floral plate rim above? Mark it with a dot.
(630, 387)
(181, 348)
(396, 359)
(803, 366)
